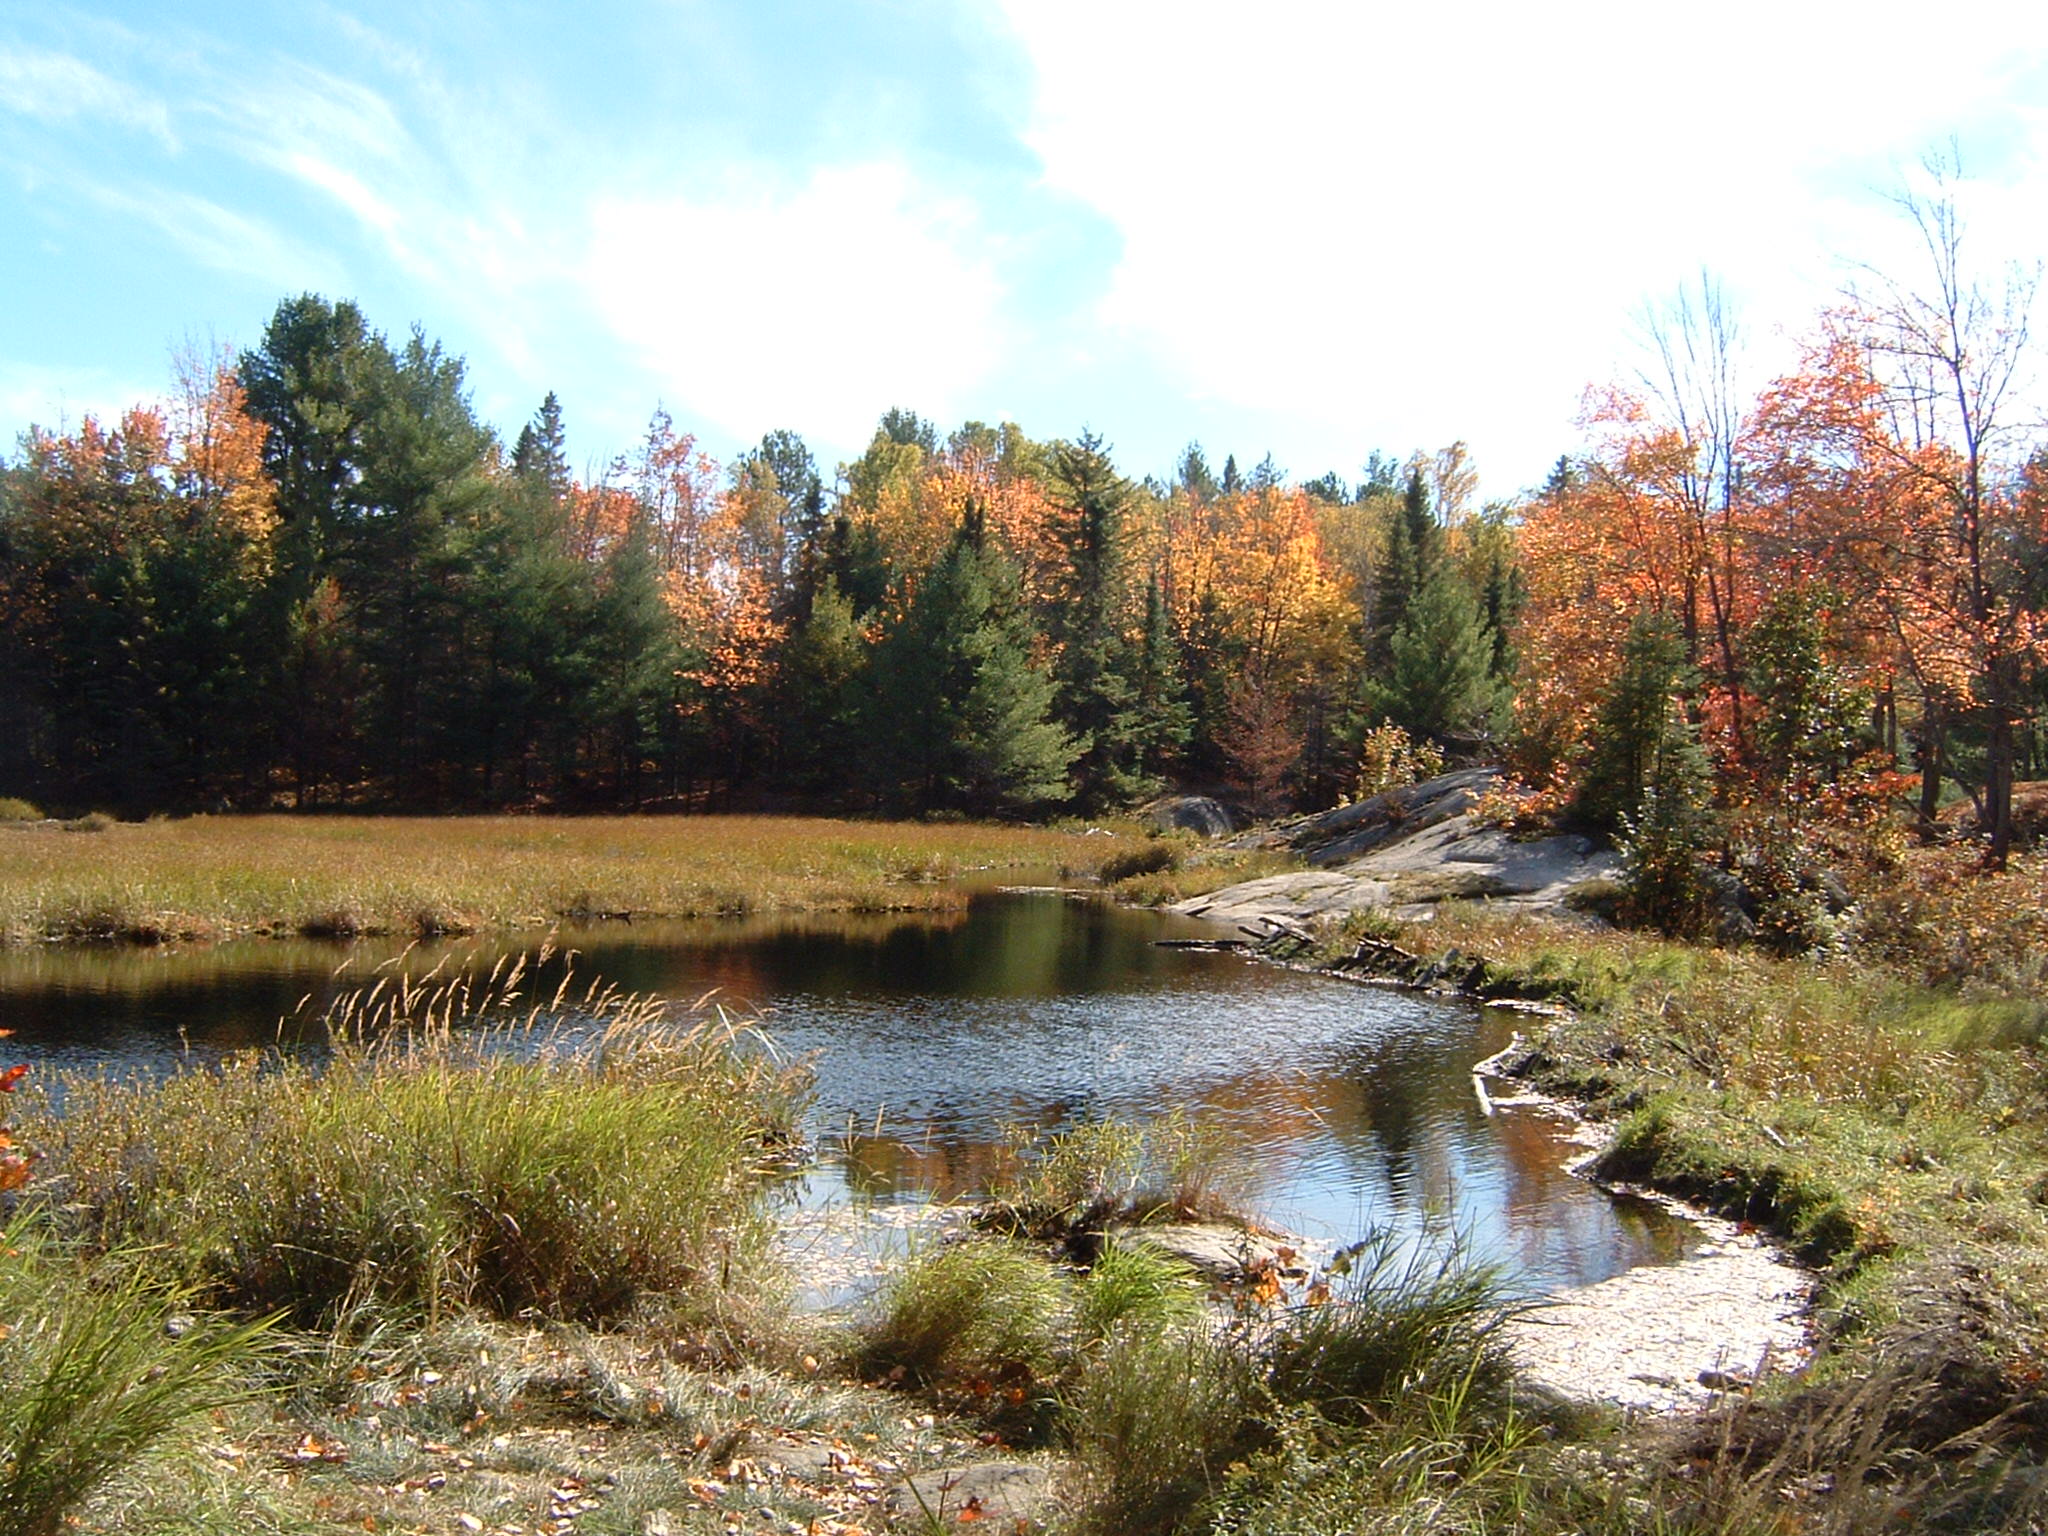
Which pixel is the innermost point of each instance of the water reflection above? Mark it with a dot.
(1345, 1108)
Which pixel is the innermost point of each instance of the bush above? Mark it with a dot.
(1389, 758)
(94, 1376)
(496, 1167)
(12, 809)
(91, 821)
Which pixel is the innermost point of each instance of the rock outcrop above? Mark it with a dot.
(1407, 850)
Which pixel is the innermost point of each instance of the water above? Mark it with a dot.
(1343, 1108)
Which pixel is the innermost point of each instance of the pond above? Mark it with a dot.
(1343, 1108)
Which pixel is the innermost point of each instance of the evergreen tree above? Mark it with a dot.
(961, 717)
(1161, 719)
(1439, 681)
(541, 453)
(1635, 720)
(818, 687)
(1807, 725)
(1501, 602)
(1084, 621)
(1663, 840)
(631, 669)
(1414, 544)
(1194, 476)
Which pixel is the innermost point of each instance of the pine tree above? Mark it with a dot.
(1439, 681)
(1635, 720)
(1807, 724)
(1414, 545)
(541, 452)
(1161, 719)
(818, 683)
(1093, 669)
(960, 715)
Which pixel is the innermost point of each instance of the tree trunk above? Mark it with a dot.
(1997, 813)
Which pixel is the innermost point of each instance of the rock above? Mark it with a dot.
(1410, 849)
(1190, 813)
(1009, 1495)
(1670, 1336)
(807, 1459)
(1215, 1250)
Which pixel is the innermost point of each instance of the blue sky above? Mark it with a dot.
(1314, 230)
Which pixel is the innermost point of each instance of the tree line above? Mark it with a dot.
(315, 578)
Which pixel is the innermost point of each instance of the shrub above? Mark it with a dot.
(1390, 758)
(91, 821)
(12, 809)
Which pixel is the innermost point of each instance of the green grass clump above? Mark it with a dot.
(1156, 1425)
(450, 1153)
(14, 809)
(95, 1375)
(982, 1312)
(1407, 1324)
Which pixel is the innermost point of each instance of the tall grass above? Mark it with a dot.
(342, 876)
(1075, 1183)
(458, 1148)
(96, 1371)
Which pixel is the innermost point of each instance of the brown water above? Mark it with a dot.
(1344, 1108)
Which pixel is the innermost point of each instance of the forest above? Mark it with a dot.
(313, 578)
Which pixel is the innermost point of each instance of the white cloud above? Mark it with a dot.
(822, 306)
(58, 399)
(57, 87)
(1415, 223)
(222, 239)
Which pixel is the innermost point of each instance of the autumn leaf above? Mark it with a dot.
(12, 1077)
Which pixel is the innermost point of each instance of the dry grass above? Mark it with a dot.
(455, 1150)
(342, 876)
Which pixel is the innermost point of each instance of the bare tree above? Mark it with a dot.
(1696, 343)
(1949, 352)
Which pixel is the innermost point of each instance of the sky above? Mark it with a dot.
(1311, 230)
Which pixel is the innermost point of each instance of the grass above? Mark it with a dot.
(1071, 1185)
(1170, 869)
(99, 1367)
(1175, 1418)
(458, 1149)
(1893, 1131)
(342, 876)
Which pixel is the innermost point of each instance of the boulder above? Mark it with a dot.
(1190, 813)
(1009, 1495)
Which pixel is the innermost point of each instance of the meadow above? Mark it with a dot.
(342, 876)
